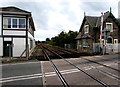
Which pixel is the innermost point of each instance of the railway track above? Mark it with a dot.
(66, 51)
(65, 84)
(61, 77)
(101, 64)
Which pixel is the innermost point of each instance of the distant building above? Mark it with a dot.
(88, 39)
(16, 32)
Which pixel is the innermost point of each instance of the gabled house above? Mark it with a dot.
(16, 32)
(88, 39)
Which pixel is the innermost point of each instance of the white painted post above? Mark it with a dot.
(101, 32)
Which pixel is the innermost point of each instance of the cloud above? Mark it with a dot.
(42, 34)
(95, 8)
(53, 16)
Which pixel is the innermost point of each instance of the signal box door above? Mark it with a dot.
(7, 48)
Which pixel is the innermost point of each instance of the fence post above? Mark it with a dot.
(27, 51)
(10, 46)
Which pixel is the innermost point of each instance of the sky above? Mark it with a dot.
(53, 16)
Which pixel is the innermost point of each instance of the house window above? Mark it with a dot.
(7, 23)
(22, 23)
(109, 40)
(115, 41)
(109, 26)
(86, 29)
(85, 43)
(102, 41)
(14, 23)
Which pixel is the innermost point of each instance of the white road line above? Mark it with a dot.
(16, 78)
(19, 79)
(24, 77)
(108, 74)
(43, 75)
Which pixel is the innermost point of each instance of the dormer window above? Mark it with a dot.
(86, 29)
(109, 26)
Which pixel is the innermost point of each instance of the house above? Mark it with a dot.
(99, 34)
(16, 32)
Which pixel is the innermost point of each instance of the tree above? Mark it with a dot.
(63, 38)
(47, 39)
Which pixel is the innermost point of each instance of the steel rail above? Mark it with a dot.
(65, 84)
(63, 51)
(66, 49)
(101, 64)
(96, 79)
(105, 73)
(108, 73)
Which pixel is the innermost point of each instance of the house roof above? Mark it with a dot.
(78, 36)
(13, 10)
(92, 20)
(85, 36)
(96, 21)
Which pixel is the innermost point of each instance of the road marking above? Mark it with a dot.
(43, 75)
(24, 76)
(108, 74)
(32, 76)
(16, 78)
(19, 79)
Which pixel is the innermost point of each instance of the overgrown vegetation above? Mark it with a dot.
(63, 38)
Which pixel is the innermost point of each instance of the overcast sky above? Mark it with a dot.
(53, 16)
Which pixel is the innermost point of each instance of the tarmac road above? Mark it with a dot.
(40, 73)
(75, 77)
(28, 73)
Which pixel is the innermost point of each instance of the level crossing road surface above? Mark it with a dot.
(28, 73)
(74, 77)
(41, 73)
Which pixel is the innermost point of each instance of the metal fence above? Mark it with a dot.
(96, 47)
(110, 48)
